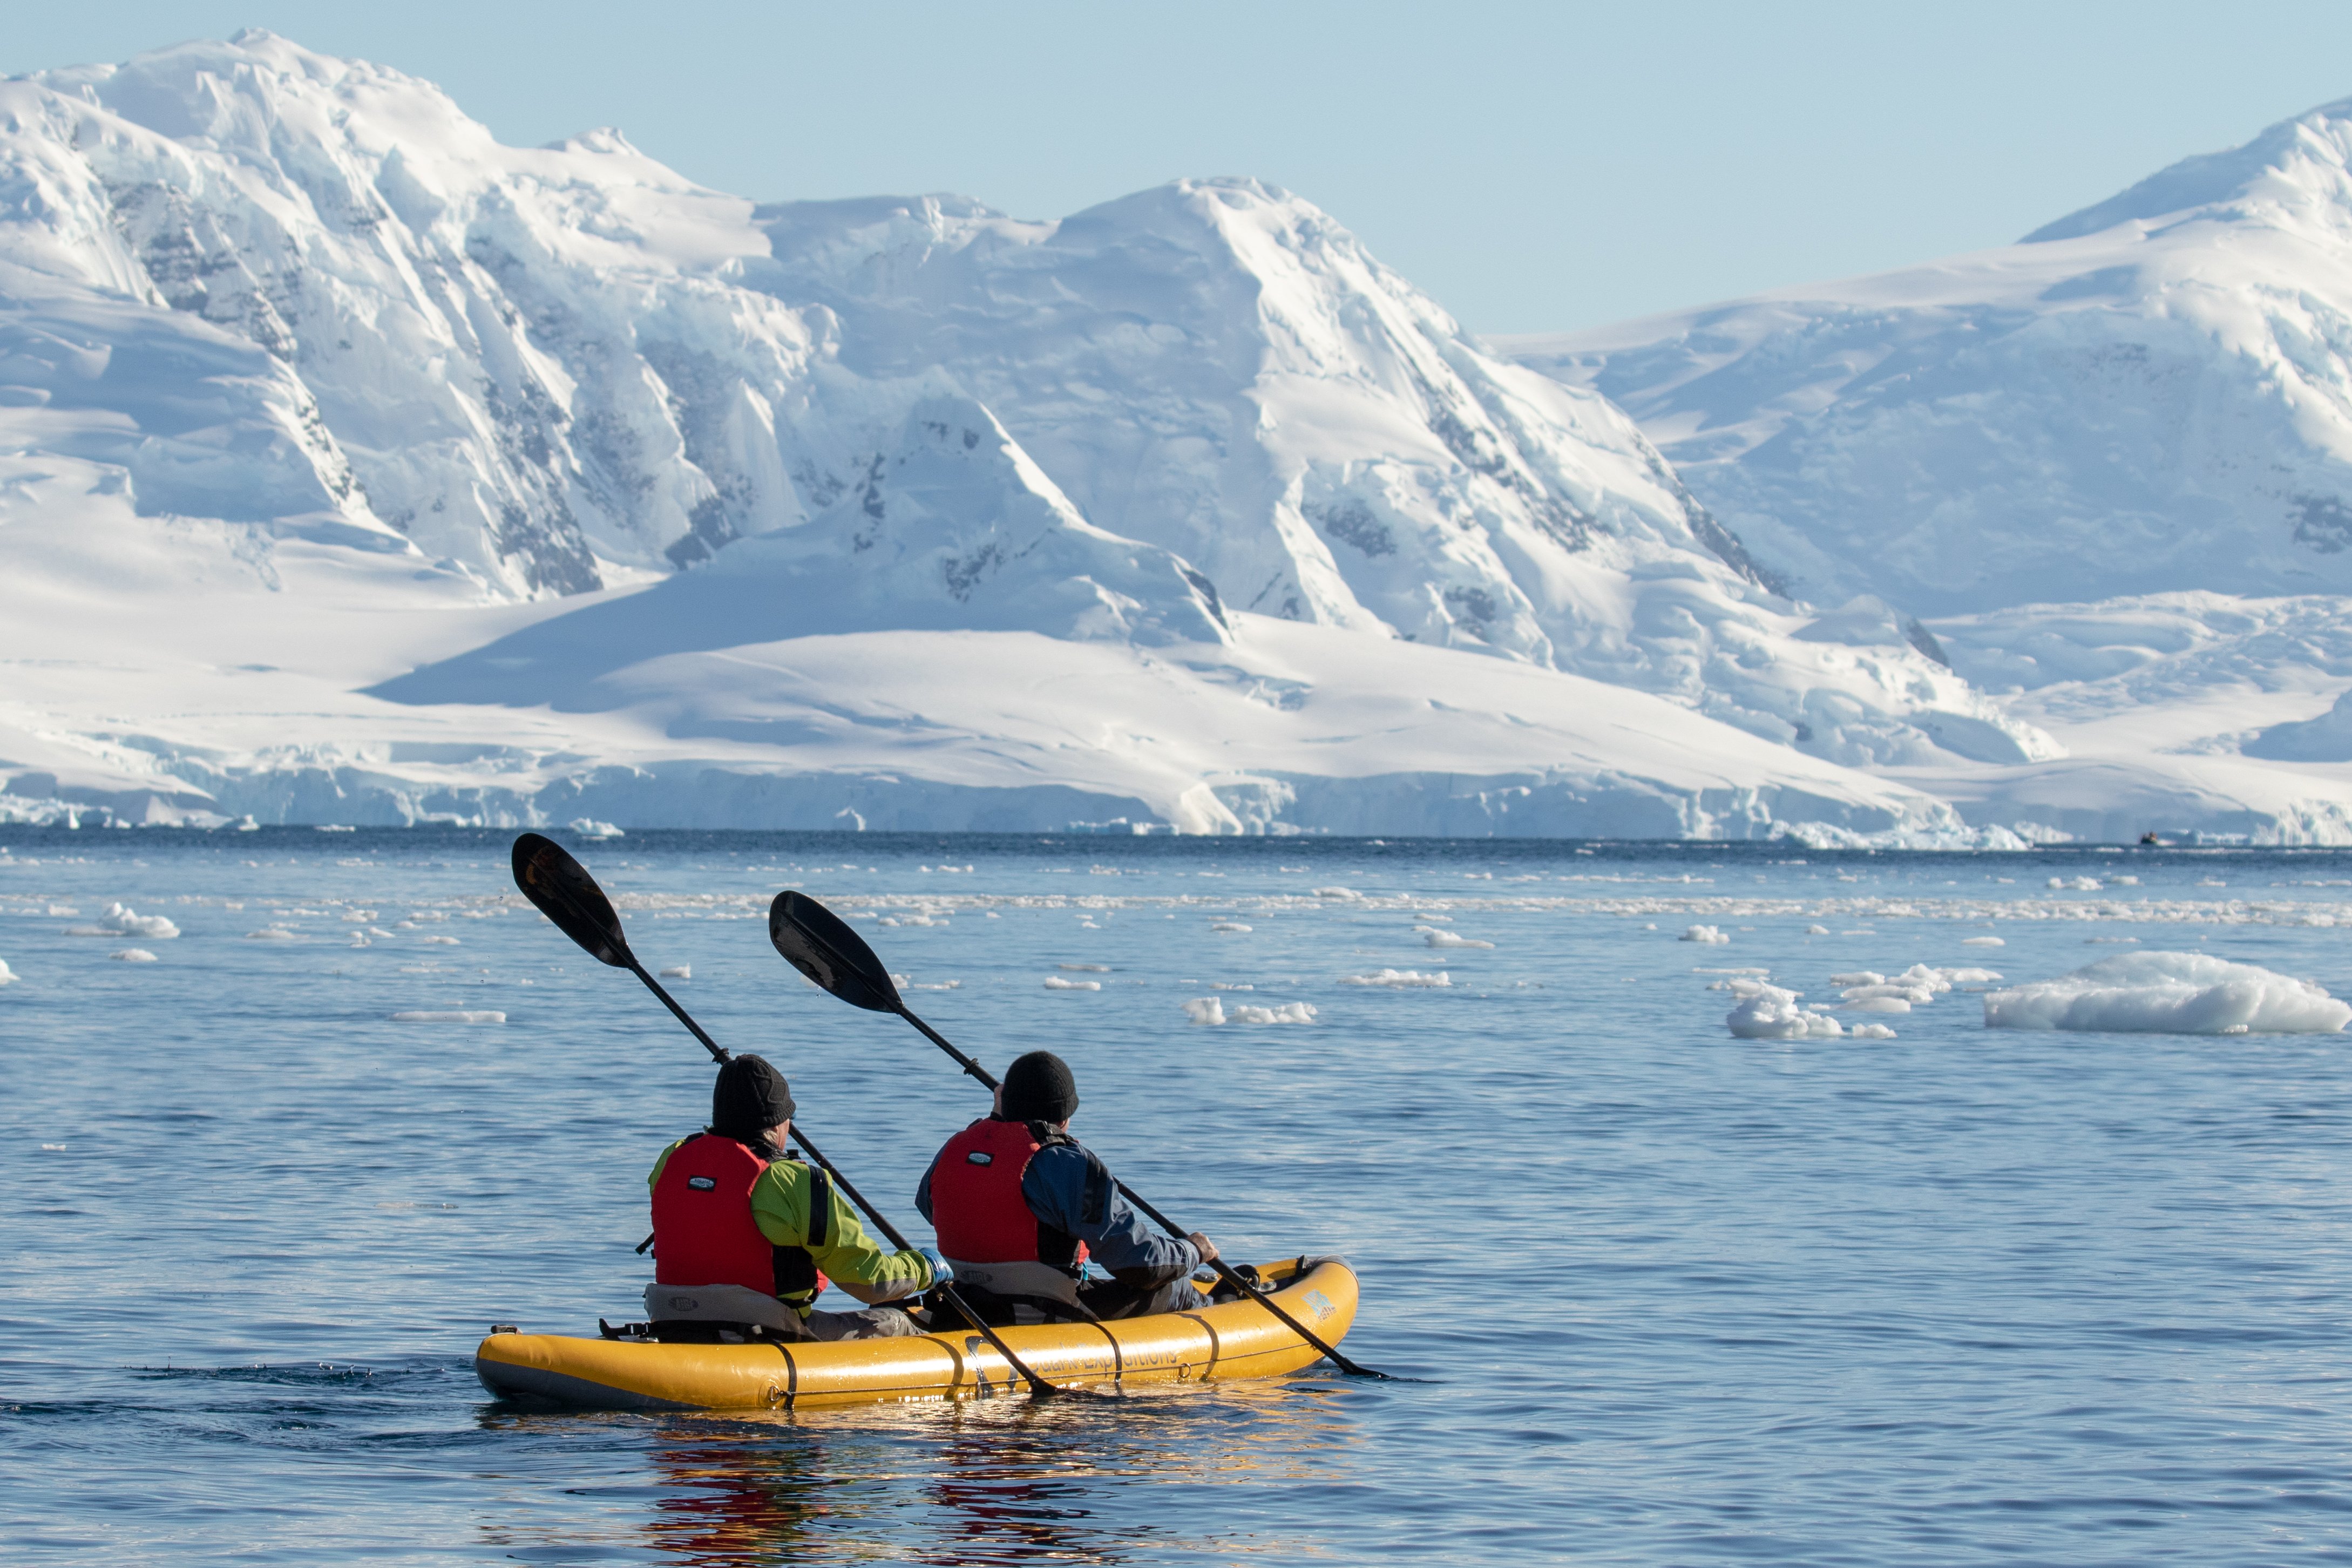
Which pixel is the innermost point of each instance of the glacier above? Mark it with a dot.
(355, 467)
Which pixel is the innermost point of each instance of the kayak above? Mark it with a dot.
(1231, 1340)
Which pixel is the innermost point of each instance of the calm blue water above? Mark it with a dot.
(1962, 1296)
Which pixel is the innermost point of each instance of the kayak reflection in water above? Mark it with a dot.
(745, 1236)
(1021, 1207)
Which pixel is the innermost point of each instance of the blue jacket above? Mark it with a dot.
(1068, 1187)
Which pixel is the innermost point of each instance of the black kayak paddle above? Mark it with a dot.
(815, 941)
(559, 888)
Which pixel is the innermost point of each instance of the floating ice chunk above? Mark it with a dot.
(2079, 883)
(334, 827)
(53, 1148)
(1971, 976)
(63, 909)
(937, 986)
(1230, 986)
(272, 934)
(1817, 930)
(1882, 1005)
(1056, 983)
(132, 956)
(589, 828)
(1982, 942)
(1084, 968)
(1288, 1012)
(2168, 993)
(1872, 1031)
(2124, 880)
(1398, 978)
(1773, 1014)
(455, 1017)
(121, 921)
(1703, 933)
(441, 941)
(1229, 926)
(1859, 977)
(1206, 1010)
(1749, 969)
(1338, 893)
(1437, 938)
(2316, 920)
(1921, 977)
(678, 972)
(8, 976)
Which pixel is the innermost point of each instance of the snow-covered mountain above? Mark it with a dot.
(355, 466)
(2151, 395)
(2110, 465)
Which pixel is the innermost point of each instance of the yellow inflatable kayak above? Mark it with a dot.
(1229, 1340)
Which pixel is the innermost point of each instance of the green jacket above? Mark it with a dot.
(779, 1207)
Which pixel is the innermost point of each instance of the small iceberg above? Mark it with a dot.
(1436, 937)
(1707, 934)
(8, 976)
(590, 828)
(132, 956)
(1212, 1010)
(122, 921)
(1056, 983)
(678, 972)
(2168, 993)
(451, 1017)
(1772, 1013)
(1398, 978)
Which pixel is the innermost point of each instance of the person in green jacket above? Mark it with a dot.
(745, 1236)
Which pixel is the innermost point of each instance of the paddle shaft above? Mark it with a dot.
(1037, 1386)
(1224, 1270)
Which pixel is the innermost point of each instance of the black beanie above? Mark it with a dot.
(1038, 1088)
(749, 1097)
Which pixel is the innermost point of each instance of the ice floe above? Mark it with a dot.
(678, 972)
(8, 976)
(1871, 1031)
(121, 921)
(452, 1016)
(1703, 933)
(272, 934)
(1213, 1010)
(132, 956)
(1982, 942)
(1056, 983)
(1772, 1013)
(589, 828)
(1438, 937)
(2168, 993)
(1398, 978)
(1229, 926)
(1084, 968)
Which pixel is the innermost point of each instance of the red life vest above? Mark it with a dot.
(976, 1203)
(703, 1233)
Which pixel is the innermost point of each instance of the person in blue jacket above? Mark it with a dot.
(1020, 1207)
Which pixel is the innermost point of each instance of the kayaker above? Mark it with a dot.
(1019, 1206)
(745, 1236)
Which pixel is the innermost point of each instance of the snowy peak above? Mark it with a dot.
(2295, 163)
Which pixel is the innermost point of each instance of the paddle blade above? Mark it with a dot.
(814, 940)
(564, 891)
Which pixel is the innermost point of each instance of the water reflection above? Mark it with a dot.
(1003, 1481)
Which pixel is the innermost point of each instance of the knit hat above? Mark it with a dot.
(1038, 1088)
(749, 1097)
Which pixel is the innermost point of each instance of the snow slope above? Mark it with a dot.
(2152, 395)
(470, 443)
(2110, 465)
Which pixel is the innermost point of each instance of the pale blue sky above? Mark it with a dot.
(1535, 167)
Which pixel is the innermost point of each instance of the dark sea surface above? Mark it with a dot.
(1663, 1296)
